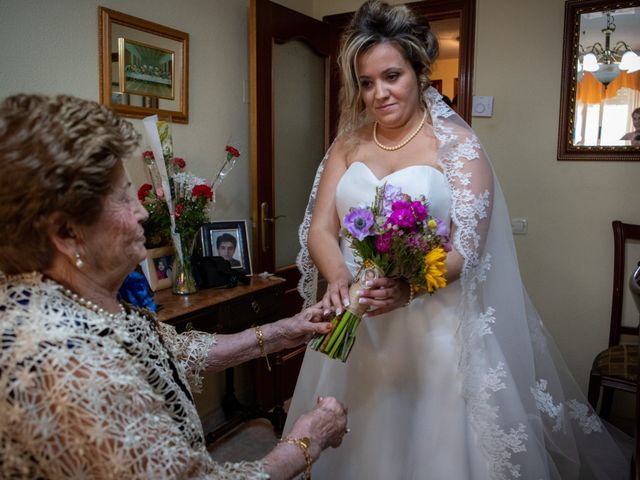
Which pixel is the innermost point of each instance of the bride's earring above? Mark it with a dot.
(79, 263)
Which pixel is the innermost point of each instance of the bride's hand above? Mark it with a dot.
(336, 298)
(385, 294)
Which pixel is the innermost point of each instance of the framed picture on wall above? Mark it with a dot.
(160, 265)
(145, 69)
(228, 239)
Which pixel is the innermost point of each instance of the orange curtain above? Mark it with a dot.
(590, 90)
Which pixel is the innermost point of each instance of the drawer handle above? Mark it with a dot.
(189, 326)
(255, 306)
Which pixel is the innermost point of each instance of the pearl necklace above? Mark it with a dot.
(404, 142)
(92, 306)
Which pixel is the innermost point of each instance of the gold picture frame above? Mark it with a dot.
(149, 43)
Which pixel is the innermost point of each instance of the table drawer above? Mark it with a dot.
(260, 308)
(234, 316)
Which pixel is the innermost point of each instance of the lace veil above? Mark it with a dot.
(529, 417)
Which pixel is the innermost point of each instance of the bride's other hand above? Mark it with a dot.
(385, 295)
(336, 298)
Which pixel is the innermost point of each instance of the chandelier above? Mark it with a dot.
(606, 62)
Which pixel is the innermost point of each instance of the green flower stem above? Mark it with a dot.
(342, 331)
(337, 332)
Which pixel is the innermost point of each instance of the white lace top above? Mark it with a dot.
(83, 396)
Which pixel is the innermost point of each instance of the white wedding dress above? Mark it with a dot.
(401, 381)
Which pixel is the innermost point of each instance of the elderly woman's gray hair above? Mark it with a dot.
(377, 22)
(58, 154)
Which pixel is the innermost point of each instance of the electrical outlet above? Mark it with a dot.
(519, 226)
(482, 106)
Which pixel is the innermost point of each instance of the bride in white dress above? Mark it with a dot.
(462, 384)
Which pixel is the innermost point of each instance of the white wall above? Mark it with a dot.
(52, 47)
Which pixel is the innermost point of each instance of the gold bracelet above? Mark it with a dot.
(260, 339)
(412, 292)
(303, 444)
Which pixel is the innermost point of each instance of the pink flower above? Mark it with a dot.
(402, 218)
(419, 210)
(383, 242)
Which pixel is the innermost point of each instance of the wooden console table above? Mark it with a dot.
(227, 311)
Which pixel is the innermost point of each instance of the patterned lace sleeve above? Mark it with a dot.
(190, 350)
(76, 408)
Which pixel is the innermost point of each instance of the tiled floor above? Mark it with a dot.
(250, 441)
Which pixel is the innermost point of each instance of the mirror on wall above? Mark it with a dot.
(144, 67)
(600, 102)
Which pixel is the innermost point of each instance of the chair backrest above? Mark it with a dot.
(621, 233)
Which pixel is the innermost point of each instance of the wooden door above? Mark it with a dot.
(290, 66)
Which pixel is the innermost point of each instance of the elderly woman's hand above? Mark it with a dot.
(384, 294)
(325, 425)
(293, 331)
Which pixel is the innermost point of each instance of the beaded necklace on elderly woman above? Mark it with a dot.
(92, 306)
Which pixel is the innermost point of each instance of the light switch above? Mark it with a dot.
(482, 106)
(519, 226)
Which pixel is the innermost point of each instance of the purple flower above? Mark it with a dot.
(442, 229)
(390, 195)
(358, 222)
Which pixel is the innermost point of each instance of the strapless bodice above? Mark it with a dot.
(358, 185)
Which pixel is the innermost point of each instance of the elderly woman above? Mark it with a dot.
(90, 387)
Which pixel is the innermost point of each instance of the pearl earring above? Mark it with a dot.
(79, 262)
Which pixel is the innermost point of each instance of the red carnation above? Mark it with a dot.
(144, 191)
(233, 151)
(147, 155)
(179, 162)
(179, 209)
(202, 190)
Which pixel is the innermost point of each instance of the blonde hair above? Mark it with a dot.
(377, 22)
(58, 154)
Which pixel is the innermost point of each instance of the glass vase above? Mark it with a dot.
(183, 281)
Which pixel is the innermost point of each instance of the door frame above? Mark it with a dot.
(271, 23)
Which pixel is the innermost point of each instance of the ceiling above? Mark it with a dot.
(627, 21)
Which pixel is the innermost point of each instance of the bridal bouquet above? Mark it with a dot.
(395, 237)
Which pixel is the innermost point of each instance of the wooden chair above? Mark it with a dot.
(616, 368)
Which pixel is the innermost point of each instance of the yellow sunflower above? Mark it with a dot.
(434, 269)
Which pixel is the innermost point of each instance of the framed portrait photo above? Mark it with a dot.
(160, 265)
(228, 239)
